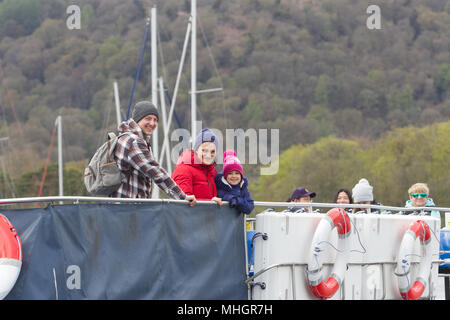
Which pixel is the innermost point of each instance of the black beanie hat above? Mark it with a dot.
(142, 109)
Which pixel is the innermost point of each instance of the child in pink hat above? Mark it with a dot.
(232, 185)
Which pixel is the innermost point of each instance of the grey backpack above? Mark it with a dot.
(102, 176)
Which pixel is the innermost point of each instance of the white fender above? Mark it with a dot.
(413, 290)
(10, 256)
(338, 218)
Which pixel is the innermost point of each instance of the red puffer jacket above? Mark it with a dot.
(194, 177)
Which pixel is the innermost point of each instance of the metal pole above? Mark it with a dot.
(60, 158)
(116, 97)
(165, 147)
(155, 189)
(194, 70)
(447, 288)
(177, 82)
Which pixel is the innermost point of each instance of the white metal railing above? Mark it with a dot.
(78, 199)
(336, 205)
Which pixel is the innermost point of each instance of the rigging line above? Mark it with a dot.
(166, 89)
(208, 47)
(104, 129)
(138, 71)
(164, 71)
(22, 140)
(46, 163)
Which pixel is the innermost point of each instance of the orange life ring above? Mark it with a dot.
(417, 229)
(10, 256)
(339, 219)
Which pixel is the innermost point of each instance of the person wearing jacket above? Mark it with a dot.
(343, 196)
(419, 197)
(135, 159)
(231, 184)
(195, 169)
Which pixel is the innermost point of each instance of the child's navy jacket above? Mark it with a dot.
(238, 196)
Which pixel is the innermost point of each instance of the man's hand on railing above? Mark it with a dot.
(192, 200)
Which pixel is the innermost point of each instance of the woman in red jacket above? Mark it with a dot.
(195, 170)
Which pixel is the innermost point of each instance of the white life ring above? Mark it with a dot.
(418, 228)
(10, 256)
(336, 217)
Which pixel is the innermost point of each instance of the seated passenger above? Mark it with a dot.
(301, 195)
(343, 196)
(362, 193)
(419, 197)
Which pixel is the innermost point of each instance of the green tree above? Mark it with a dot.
(25, 13)
(325, 167)
(409, 155)
(443, 81)
(72, 182)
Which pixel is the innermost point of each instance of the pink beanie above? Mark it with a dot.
(231, 162)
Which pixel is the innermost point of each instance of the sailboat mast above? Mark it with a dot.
(154, 71)
(117, 101)
(194, 70)
(60, 159)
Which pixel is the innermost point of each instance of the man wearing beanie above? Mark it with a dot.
(135, 159)
(195, 169)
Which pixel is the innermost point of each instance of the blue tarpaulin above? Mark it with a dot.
(130, 251)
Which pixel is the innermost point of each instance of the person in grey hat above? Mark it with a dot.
(146, 115)
(362, 193)
(134, 158)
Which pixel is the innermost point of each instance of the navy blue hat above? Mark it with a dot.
(301, 192)
(206, 135)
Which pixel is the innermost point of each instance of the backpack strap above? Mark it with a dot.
(112, 135)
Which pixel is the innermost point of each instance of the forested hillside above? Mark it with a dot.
(391, 165)
(310, 68)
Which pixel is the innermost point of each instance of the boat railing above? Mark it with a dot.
(311, 205)
(250, 220)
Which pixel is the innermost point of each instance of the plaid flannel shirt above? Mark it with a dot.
(135, 159)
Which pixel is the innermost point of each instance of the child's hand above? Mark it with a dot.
(233, 202)
(218, 200)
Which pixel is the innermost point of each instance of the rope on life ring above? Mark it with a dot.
(418, 228)
(339, 219)
(10, 256)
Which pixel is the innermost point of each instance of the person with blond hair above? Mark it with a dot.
(419, 196)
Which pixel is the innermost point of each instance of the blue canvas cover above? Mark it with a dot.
(130, 251)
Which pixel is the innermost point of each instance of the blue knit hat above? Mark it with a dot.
(206, 135)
